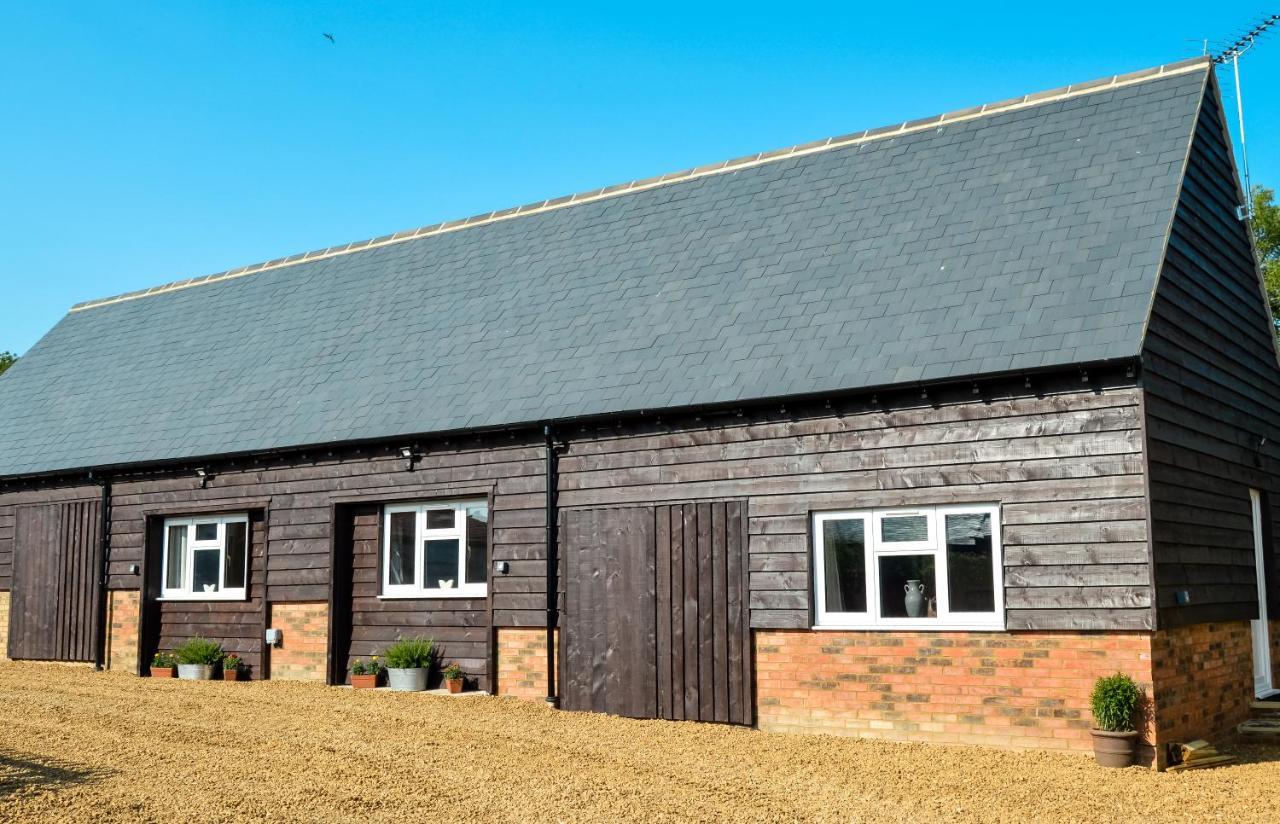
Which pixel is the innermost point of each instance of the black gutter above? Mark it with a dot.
(104, 559)
(552, 481)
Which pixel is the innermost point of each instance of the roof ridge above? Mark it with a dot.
(748, 161)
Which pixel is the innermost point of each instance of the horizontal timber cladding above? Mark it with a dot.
(1062, 458)
(11, 500)
(459, 626)
(299, 493)
(1211, 390)
(237, 625)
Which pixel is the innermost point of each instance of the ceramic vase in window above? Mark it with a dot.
(914, 600)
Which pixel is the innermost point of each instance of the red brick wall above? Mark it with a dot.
(122, 635)
(1204, 680)
(302, 653)
(522, 663)
(1025, 690)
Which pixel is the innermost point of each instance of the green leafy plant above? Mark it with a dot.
(371, 667)
(162, 660)
(1114, 702)
(199, 650)
(452, 672)
(231, 662)
(411, 653)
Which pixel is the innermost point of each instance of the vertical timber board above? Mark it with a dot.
(690, 565)
(720, 612)
(662, 610)
(677, 613)
(629, 662)
(54, 582)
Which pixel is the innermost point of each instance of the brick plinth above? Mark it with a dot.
(1203, 680)
(122, 637)
(4, 626)
(1023, 690)
(522, 663)
(304, 648)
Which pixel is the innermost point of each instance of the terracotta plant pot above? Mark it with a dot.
(163, 672)
(454, 684)
(236, 674)
(1114, 749)
(364, 682)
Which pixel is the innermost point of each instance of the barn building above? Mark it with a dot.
(910, 433)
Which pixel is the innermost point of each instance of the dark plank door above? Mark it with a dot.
(656, 612)
(53, 612)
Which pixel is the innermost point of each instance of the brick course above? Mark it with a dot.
(1204, 680)
(1023, 690)
(303, 651)
(122, 635)
(4, 626)
(522, 663)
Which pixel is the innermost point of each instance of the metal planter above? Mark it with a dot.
(407, 680)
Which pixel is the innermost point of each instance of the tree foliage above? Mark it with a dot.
(7, 359)
(1266, 235)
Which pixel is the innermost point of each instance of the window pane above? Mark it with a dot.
(204, 569)
(206, 532)
(844, 562)
(477, 543)
(904, 528)
(237, 549)
(176, 562)
(400, 552)
(907, 586)
(441, 564)
(969, 557)
(440, 519)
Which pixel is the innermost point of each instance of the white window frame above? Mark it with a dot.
(186, 591)
(417, 589)
(874, 549)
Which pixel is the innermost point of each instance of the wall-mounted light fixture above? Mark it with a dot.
(203, 475)
(410, 456)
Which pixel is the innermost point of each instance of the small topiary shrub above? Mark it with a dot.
(411, 653)
(1114, 702)
(199, 651)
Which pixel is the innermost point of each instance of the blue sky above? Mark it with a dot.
(147, 142)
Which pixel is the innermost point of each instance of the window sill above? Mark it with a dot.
(435, 595)
(914, 626)
(203, 597)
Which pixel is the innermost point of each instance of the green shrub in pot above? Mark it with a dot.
(1114, 702)
(197, 657)
(408, 661)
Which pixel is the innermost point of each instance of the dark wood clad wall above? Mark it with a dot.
(1065, 464)
(459, 626)
(9, 503)
(1212, 391)
(237, 625)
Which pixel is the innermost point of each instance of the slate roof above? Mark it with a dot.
(1014, 236)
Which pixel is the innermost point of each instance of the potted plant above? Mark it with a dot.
(233, 668)
(1114, 702)
(364, 674)
(197, 657)
(408, 660)
(453, 678)
(162, 665)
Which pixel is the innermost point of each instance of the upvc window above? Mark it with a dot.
(205, 559)
(436, 550)
(909, 568)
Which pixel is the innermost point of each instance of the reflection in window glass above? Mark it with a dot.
(206, 532)
(441, 563)
(440, 519)
(401, 557)
(176, 562)
(907, 586)
(902, 529)
(204, 570)
(970, 587)
(844, 565)
(477, 562)
(237, 539)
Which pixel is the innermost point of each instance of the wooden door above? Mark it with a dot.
(53, 613)
(655, 622)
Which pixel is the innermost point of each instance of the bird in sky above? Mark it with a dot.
(329, 36)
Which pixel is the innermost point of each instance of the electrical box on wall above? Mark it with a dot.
(274, 637)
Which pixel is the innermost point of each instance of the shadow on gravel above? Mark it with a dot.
(21, 775)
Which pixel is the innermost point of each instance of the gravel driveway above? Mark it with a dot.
(78, 745)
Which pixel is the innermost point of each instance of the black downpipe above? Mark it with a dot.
(104, 556)
(552, 566)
